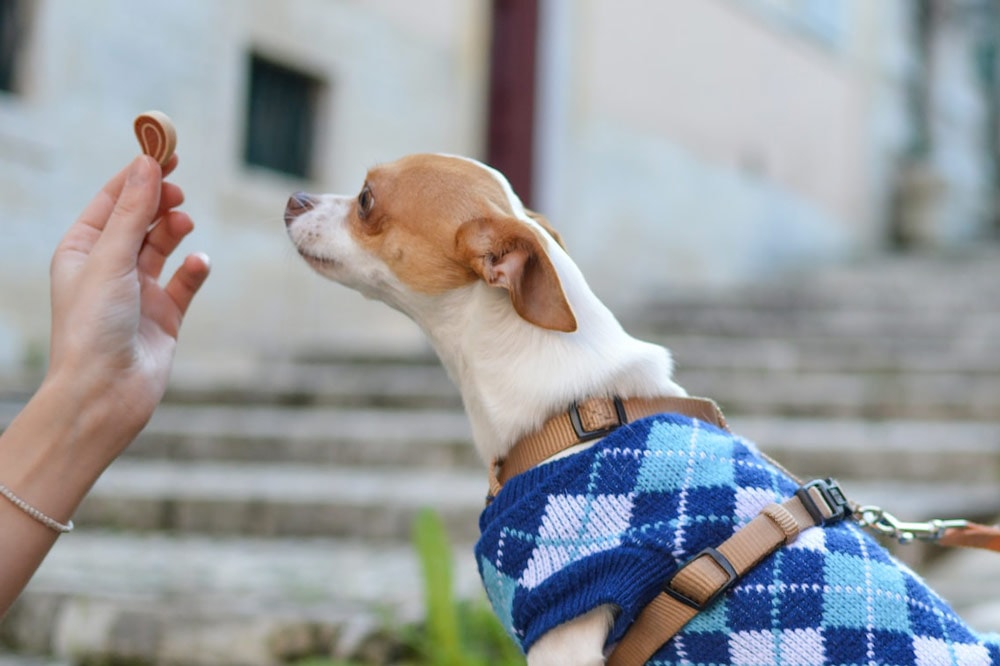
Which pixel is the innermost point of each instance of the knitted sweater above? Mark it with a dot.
(610, 524)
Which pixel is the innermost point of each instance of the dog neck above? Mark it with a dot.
(514, 375)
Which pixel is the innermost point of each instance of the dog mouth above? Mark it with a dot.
(317, 261)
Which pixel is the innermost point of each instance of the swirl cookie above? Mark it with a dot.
(156, 135)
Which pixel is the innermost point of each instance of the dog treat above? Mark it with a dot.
(156, 135)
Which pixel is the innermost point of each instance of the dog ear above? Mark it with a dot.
(507, 253)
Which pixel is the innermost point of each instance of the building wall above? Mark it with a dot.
(399, 79)
(726, 139)
(680, 143)
(960, 151)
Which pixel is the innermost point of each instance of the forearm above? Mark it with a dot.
(50, 456)
(114, 331)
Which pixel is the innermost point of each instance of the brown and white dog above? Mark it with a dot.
(446, 241)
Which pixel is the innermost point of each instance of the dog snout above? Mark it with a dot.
(298, 203)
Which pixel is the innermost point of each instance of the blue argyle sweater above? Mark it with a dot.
(610, 524)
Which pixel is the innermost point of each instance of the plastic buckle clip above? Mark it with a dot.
(585, 435)
(723, 563)
(832, 495)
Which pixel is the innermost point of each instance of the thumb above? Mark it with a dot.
(134, 211)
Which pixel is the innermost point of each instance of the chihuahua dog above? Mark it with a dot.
(445, 240)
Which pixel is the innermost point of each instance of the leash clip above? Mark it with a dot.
(879, 520)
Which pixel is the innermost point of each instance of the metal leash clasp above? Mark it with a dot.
(879, 520)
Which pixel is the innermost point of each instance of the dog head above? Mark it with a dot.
(428, 225)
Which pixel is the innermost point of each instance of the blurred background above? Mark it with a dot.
(798, 197)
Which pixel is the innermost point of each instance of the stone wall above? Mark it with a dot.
(691, 142)
(396, 79)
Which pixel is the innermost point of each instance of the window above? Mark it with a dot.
(827, 20)
(281, 118)
(13, 29)
(824, 20)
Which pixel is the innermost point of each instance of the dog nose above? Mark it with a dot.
(298, 203)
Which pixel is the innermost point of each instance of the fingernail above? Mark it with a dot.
(204, 257)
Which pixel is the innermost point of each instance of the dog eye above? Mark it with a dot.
(365, 201)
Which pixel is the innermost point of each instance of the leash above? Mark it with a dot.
(709, 574)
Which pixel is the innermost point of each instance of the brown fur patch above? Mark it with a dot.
(420, 201)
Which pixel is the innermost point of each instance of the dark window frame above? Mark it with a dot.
(14, 25)
(282, 117)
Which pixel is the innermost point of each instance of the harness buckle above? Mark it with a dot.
(722, 562)
(837, 507)
(585, 435)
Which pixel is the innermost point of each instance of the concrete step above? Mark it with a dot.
(903, 450)
(936, 299)
(380, 504)
(750, 379)
(398, 382)
(961, 283)
(155, 598)
(868, 376)
(437, 438)
(912, 294)
(909, 449)
(769, 386)
(923, 449)
(269, 499)
(787, 354)
(426, 438)
(980, 327)
(12, 659)
(402, 383)
(942, 395)
(393, 440)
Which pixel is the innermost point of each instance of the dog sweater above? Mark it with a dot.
(612, 523)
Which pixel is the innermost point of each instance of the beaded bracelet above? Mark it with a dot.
(51, 523)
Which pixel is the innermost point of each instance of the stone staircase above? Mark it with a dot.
(264, 516)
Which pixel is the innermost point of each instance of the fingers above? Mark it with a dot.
(161, 242)
(97, 212)
(171, 196)
(134, 211)
(171, 164)
(187, 280)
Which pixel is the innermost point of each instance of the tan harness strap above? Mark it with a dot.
(589, 420)
(706, 576)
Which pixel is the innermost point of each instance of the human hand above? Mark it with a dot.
(114, 327)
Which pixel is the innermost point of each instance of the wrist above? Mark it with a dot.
(57, 447)
(96, 425)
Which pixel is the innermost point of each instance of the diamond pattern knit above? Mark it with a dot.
(610, 524)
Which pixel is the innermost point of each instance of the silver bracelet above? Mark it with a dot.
(51, 523)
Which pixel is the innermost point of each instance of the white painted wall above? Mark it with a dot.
(401, 80)
(716, 141)
(680, 142)
(960, 151)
